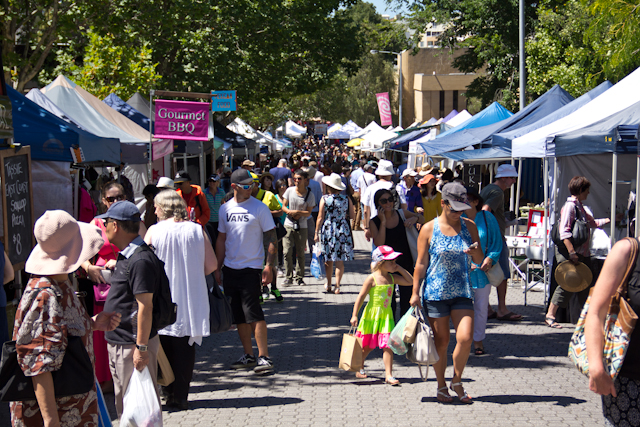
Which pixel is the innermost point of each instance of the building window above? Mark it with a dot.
(421, 44)
(429, 43)
(428, 33)
(455, 100)
(441, 103)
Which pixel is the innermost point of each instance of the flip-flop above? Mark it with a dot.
(361, 374)
(392, 381)
(492, 315)
(551, 322)
(479, 351)
(510, 317)
(337, 291)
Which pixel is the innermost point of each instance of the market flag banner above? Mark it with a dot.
(6, 118)
(182, 120)
(161, 148)
(223, 100)
(384, 107)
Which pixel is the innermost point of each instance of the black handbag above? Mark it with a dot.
(220, 315)
(580, 232)
(280, 230)
(75, 375)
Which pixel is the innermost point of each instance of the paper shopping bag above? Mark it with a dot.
(409, 331)
(165, 372)
(351, 353)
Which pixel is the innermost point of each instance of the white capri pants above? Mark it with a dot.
(480, 310)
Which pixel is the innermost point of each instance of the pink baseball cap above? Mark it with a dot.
(384, 253)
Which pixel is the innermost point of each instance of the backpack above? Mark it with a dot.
(165, 311)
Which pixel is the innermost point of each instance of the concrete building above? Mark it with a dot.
(432, 87)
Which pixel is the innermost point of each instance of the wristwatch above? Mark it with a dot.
(142, 348)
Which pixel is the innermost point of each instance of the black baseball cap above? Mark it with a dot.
(181, 176)
(241, 176)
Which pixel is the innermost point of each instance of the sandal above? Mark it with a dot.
(337, 291)
(361, 374)
(551, 322)
(466, 399)
(479, 351)
(327, 288)
(443, 397)
(392, 381)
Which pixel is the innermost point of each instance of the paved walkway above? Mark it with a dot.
(526, 380)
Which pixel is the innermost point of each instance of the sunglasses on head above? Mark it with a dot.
(115, 198)
(385, 201)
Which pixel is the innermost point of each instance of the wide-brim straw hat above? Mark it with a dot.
(573, 277)
(334, 181)
(164, 182)
(63, 244)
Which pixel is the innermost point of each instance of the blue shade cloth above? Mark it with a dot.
(127, 110)
(345, 132)
(505, 137)
(484, 155)
(551, 101)
(51, 137)
(492, 114)
(618, 132)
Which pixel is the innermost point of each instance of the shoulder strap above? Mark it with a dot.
(401, 215)
(141, 248)
(264, 193)
(631, 263)
(307, 196)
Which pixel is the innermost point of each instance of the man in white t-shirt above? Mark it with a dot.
(243, 223)
(384, 172)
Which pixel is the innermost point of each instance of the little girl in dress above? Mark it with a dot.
(377, 318)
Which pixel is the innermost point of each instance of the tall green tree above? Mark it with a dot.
(558, 52)
(488, 29)
(615, 33)
(107, 68)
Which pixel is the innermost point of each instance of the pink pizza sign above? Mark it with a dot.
(182, 120)
(384, 107)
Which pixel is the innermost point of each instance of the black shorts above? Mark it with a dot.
(242, 288)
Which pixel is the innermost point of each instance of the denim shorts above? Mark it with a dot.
(444, 308)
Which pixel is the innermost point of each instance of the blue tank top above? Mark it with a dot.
(449, 266)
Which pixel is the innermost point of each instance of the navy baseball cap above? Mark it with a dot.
(122, 211)
(241, 176)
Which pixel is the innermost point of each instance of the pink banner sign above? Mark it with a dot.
(384, 107)
(182, 120)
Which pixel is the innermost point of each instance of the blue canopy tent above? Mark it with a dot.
(492, 114)
(551, 101)
(51, 137)
(127, 110)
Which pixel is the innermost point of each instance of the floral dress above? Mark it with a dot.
(449, 267)
(335, 235)
(377, 318)
(48, 313)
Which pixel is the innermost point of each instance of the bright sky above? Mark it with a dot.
(382, 8)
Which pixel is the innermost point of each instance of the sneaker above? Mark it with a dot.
(287, 282)
(260, 299)
(301, 282)
(265, 366)
(245, 362)
(265, 293)
(281, 272)
(276, 293)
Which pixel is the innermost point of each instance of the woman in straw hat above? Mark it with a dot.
(579, 187)
(332, 228)
(48, 314)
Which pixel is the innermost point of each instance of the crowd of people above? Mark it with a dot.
(435, 245)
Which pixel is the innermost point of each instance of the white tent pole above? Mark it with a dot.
(637, 204)
(151, 113)
(545, 215)
(512, 198)
(518, 186)
(556, 182)
(614, 188)
(203, 183)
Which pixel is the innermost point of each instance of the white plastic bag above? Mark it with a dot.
(140, 404)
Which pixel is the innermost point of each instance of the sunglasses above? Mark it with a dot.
(453, 210)
(115, 198)
(244, 186)
(385, 201)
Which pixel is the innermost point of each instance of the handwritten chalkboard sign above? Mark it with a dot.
(472, 176)
(17, 204)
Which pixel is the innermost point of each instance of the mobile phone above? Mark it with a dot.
(474, 245)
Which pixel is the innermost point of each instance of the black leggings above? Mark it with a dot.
(182, 358)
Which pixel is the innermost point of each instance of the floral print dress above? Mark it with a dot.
(49, 312)
(449, 267)
(335, 235)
